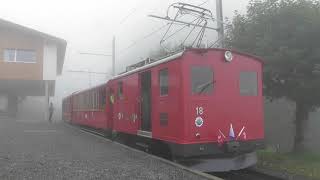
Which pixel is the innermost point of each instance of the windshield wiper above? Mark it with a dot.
(204, 86)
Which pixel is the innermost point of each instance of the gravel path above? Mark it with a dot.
(35, 150)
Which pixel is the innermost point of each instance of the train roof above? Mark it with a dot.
(88, 89)
(176, 56)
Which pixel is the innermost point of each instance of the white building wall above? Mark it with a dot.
(49, 61)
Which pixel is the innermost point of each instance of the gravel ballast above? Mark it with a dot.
(39, 150)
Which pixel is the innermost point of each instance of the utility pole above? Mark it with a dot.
(114, 56)
(220, 22)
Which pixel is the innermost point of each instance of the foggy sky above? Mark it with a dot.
(89, 25)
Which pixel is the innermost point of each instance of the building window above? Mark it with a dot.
(201, 80)
(164, 119)
(19, 55)
(164, 82)
(9, 55)
(248, 84)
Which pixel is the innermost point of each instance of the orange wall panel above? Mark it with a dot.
(11, 39)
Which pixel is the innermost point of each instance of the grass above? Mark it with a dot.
(305, 164)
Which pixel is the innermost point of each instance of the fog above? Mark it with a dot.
(89, 26)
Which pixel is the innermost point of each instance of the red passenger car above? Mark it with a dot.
(204, 106)
(89, 108)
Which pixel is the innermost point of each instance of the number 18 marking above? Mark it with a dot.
(199, 110)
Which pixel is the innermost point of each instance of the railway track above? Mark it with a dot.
(93, 132)
(248, 174)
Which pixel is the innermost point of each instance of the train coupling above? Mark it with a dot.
(232, 146)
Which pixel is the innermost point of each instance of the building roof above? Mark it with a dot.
(61, 43)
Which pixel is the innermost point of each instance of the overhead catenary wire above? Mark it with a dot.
(149, 34)
(189, 33)
(128, 15)
(198, 12)
(203, 3)
(218, 40)
(164, 39)
(142, 38)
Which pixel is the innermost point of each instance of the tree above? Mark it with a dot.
(286, 34)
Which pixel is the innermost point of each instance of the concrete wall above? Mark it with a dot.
(32, 108)
(312, 136)
(280, 126)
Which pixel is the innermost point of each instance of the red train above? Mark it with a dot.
(204, 107)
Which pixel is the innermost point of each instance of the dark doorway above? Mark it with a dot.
(145, 80)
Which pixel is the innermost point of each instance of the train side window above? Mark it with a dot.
(201, 80)
(120, 90)
(97, 98)
(94, 97)
(103, 96)
(90, 95)
(248, 84)
(88, 100)
(164, 82)
(80, 102)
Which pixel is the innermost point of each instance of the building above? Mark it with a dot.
(29, 64)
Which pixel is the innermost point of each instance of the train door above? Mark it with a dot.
(111, 100)
(145, 90)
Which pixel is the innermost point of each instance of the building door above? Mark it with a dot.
(145, 85)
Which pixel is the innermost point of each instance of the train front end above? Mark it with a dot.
(223, 110)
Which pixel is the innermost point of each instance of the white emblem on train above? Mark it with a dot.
(199, 121)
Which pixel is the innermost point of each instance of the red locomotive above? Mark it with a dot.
(202, 106)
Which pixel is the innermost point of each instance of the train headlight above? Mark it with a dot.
(198, 135)
(199, 121)
(228, 56)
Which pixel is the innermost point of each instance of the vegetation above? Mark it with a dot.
(305, 164)
(285, 33)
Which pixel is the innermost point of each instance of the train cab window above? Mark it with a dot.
(201, 80)
(120, 90)
(248, 84)
(164, 82)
